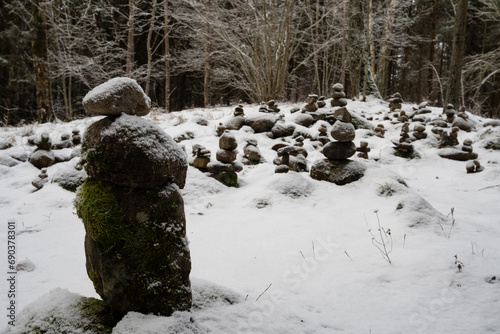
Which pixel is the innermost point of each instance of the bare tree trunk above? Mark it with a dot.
(148, 45)
(206, 70)
(432, 47)
(167, 55)
(383, 70)
(370, 35)
(345, 40)
(41, 63)
(457, 54)
(130, 39)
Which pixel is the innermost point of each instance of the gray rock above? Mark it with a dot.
(463, 124)
(360, 122)
(227, 141)
(219, 167)
(225, 156)
(343, 115)
(70, 179)
(338, 172)
(281, 129)
(252, 153)
(42, 158)
(302, 119)
(116, 96)
(132, 152)
(282, 169)
(235, 123)
(262, 122)
(343, 132)
(338, 102)
(458, 155)
(339, 150)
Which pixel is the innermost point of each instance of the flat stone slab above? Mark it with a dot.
(339, 172)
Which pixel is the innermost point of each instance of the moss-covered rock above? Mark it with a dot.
(132, 152)
(229, 179)
(136, 247)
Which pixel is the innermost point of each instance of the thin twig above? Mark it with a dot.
(348, 256)
(264, 291)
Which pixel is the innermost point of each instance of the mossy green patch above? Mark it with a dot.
(101, 213)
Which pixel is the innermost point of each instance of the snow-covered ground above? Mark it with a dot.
(291, 263)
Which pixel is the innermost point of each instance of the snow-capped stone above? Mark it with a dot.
(116, 96)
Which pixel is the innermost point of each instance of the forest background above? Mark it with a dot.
(201, 53)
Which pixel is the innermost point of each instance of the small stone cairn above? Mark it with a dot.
(42, 156)
(202, 157)
(133, 212)
(41, 179)
(339, 99)
(234, 123)
(321, 102)
(270, 107)
(336, 168)
(363, 150)
(225, 168)
(323, 134)
(450, 113)
(76, 138)
(252, 155)
(449, 139)
(65, 142)
(462, 121)
(463, 154)
(311, 103)
(403, 147)
(395, 102)
(221, 128)
(379, 130)
(291, 157)
(419, 131)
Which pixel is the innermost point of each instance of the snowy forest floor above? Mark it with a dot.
(284, 253)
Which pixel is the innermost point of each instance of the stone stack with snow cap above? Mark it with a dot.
(311, 103)
(336, 168)
(225, 168)
(116, 96)
(339, 99)
(395, 102)
(237, 121)
(135, 243)
(42, 156)
(252, 155)
(202, 157)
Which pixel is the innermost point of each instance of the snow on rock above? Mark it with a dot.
(116, 96)
(114, 150)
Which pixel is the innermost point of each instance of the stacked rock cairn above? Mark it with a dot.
(252, 155)
(271, 107)
(336, 168)
(403, 147)
(363, 149)
(76, 138)
(41, 179)
(225, 168)
(311, 103)
(133, 212)
(42, 156)
(450, 113)
(234, 123)
(463, 154)
(202, 157)
(419, 131)
(339, 99)
(395, 102)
